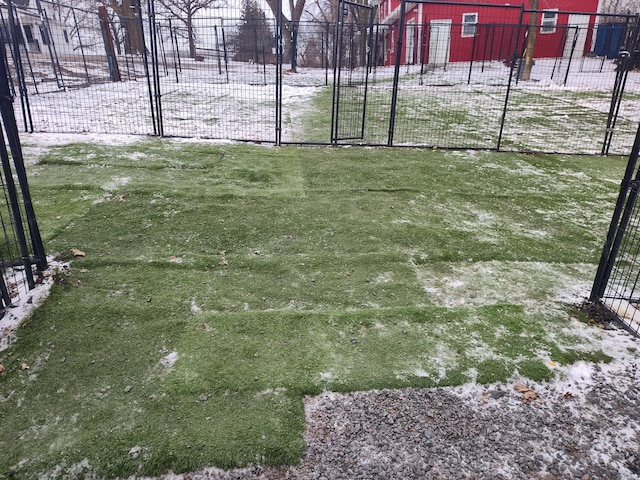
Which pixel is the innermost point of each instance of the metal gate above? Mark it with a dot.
(627, 61)
(22, 254)
(616, 285)
(352, 54)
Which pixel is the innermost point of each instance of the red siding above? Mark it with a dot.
(497, 29)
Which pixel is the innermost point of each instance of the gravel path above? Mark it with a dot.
(586, 426)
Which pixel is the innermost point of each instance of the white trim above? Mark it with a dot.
(549, 26)
(469, 28)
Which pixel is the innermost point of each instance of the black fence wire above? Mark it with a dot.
(616, 286)
(22, 256)
(428, 77)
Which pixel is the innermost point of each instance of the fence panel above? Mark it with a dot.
(616, 285)
(454, 74)
(444, 74)
(223, 84)
(351, 80)
(306, 91)
(22, 254)
(563, 105)
(73, 82)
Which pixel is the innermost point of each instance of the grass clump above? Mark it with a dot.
(223, 282)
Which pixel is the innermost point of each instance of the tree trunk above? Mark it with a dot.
(191, 35)
(532, 36)
(294, 46)
(128, 14)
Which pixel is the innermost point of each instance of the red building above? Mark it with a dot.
(439, 33)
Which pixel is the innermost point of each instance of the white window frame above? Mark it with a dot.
(549, 21)
(469, 28)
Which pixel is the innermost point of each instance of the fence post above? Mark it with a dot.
(631, 46)
(325, 53)
(145, 62)
(396, 74)
(10, 127)
(337, 66)
(294, 46)
(155, 66)
(473, 50)
(515, 65)
(84, 58)
(17, 60)
(51, 46)
(279, 55)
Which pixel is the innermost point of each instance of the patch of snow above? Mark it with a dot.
(116, 183)
(195, 309)
(26, 301)
(169, 360)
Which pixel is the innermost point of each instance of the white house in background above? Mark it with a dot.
(38, 29)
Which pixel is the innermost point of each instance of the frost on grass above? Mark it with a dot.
(115, 183)
(537, 286)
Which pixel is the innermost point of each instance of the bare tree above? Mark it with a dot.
(322, 11)
(621, 6)
(185, 11)
(128, 12)
(290, 26)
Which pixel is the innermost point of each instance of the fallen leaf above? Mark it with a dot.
(121, 198)
(205, 326)
(78, 253)
(552, 363)
(24, 366)
(223, 262)
(2, 369)
(521, 388)
(530, 396)
(83, 270)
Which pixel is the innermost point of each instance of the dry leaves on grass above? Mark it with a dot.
(78, 253)
(528, 395)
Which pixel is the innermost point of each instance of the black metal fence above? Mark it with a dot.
(616, 285)
(22, 255)
(355, 76)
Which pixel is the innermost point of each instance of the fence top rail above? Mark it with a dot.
(349, 2)
(522, 6)
(627, 16)
(466, 4)
(25, 10)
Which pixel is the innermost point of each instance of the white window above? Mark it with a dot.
(549, 21)
(469, 22)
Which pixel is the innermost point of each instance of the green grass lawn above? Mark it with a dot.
(537, 119)
(224, 282)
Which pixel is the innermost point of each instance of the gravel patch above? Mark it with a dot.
(585, 425)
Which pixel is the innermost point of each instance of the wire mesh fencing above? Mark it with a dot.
(74, 78)
(22, 256)
(616, 286)
(437, 74)
(225, 87)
